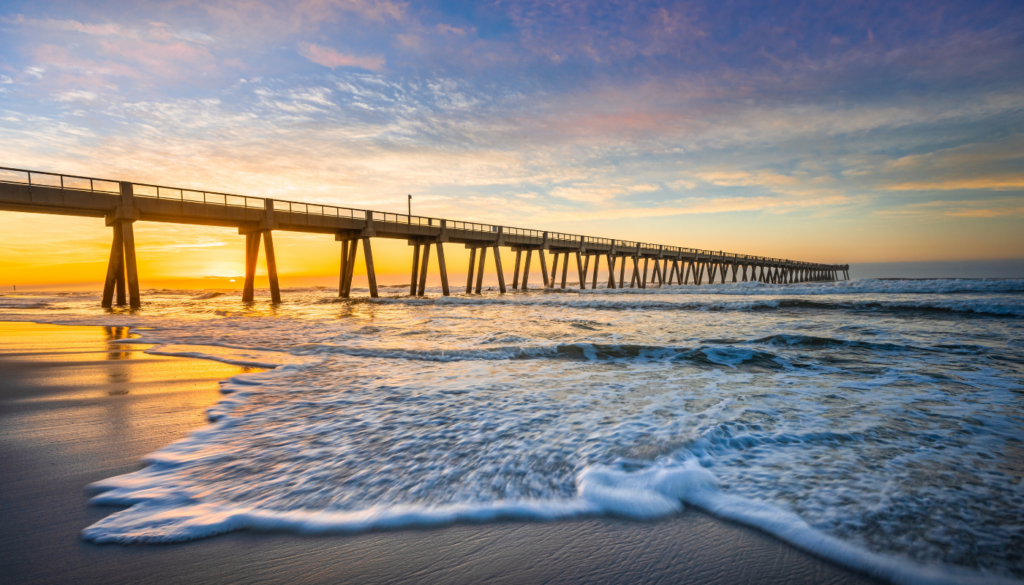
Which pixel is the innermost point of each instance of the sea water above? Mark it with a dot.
(876, 423)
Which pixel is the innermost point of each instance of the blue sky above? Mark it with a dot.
(837, 132)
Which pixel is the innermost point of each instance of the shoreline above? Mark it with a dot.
(76, 407)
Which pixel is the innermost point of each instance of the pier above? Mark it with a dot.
(628, 264)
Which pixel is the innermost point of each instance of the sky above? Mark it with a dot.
(841, 132)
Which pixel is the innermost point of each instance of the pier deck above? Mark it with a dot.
(122, 203)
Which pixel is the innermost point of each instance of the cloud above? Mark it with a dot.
(106, 29)
(996, 183)
(762, 178)
(973, 209)
(328, 57)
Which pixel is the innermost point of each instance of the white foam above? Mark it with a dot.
(651, 493)
(258, 358)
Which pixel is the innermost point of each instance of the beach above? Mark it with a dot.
(77, 406)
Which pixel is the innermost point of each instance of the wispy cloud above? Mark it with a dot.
(328, 57)
(996, 183)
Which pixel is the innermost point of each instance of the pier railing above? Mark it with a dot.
(212, 198)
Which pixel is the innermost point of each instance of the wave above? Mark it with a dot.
(655, 492)
(992, 308)
(208, 295)
(858, 286)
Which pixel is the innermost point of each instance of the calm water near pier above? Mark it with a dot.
(877, 423)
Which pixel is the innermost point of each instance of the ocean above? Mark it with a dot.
(876, 423)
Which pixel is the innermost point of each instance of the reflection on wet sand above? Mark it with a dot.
(120, 351)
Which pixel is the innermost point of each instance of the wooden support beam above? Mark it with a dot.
(580, 270)
(248, 262)
(472, 268)
(554, 269)
(350, 267)
(526, 268)
(643, 283)
(656, 274)
(415, 274)
(252, 240)
(586, 271)
(544, 268)
(597, 266)
(115, 267)
(268, 250)
(128, 237)
(424, 263)
(634, 281)
(515, 276)
(371, 272)
(480, 271)
(565, 269)
(611, 270)
(342, 268)
(497, 268)
(122, 282)
(622, 273)
(443, 269)
(689, 271)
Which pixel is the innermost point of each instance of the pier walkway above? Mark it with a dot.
(628, 263)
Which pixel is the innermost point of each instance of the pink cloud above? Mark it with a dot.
(70, 25)
(52, 56)
(179, 59)
(328, 57)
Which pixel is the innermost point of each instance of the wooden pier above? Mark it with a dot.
(637, 264)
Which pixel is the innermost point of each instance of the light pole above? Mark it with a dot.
(410, 206)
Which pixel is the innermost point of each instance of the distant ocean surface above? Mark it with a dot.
(876, 423)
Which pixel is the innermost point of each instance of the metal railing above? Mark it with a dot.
(398, 218)
(560, 238)
(513, 231)
(468, 226)
(94, 185)
(317, 209)
(196, 196)
(64, 182)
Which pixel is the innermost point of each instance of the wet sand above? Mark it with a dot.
(77, 407)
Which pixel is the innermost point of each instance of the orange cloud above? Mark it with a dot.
(995, 183)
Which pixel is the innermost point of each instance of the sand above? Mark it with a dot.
(76, 407)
